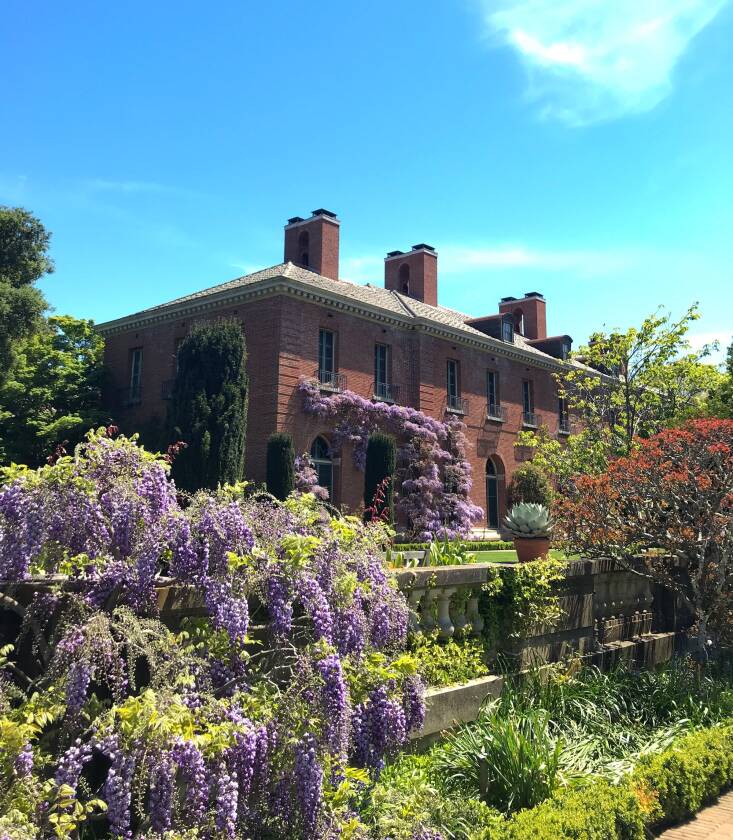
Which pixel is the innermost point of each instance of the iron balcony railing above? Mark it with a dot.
(131, 395)
(564, 426)
(529, 419)
(495, 411)
(166, 389)
(456, 405)
(386, 392)
(330, 380)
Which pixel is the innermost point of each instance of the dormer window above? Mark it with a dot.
(303, 248)
(404, 277)
(507, 331)
(519, 321)
(565, 350)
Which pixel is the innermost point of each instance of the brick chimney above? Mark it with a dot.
(414, 274)
(314, 243)
(530, 314)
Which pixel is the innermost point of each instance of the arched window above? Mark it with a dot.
(323, 463)
(494, 491)
(303, 247)
(404, 277)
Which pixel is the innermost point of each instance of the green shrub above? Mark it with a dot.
(689, 774)
(208, 407)
(280, 469)
(409, 797)
(448, 663)
(381, 460)
(529, 484)
(592, 811)
(511, 762)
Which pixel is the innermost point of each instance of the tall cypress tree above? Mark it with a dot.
(381, 458)
(208, 408)
(280, 474)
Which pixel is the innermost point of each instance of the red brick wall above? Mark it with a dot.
(282, 342)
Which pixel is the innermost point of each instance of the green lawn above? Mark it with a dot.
(508, 556)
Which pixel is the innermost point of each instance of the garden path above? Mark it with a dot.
(712, 823)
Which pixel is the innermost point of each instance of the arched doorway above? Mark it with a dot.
(494, 491)
(323, 464)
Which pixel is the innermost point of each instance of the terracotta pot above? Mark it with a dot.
(531, 548)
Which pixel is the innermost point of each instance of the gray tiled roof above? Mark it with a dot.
(374, 296)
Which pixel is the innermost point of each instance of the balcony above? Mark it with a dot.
(166, 389)
(330, 380)
(456, 405)
(529, 420)
(496, 412)
(386, 392)
(131, 395)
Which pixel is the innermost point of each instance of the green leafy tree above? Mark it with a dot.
(208, 408)
(529, 484)
(23, 261)
(280, 468)
(584, 453)
(381, 459)
(633, 383)
(721, 401)
(52, 394)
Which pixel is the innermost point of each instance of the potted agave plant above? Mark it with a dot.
(531, 526)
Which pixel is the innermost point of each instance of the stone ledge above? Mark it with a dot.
(456, 704)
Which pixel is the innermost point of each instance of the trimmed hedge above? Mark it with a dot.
(280, 465)
(663, 789)
(492, 545)
(592, 811)
(691, 773)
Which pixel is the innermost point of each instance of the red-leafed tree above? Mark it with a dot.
(675, 495)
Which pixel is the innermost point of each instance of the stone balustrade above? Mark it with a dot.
(602, 605)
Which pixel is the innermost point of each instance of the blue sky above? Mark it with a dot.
(581, 148)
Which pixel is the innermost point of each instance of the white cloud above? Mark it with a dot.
(505, 257)
(592, 60)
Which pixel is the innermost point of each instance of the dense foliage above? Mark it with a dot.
(676, 494)
(53, 392)
(220, 665)
(23, 261)
(208, 408)
(433, 475)
(529, 484)
(280, 465)
(588, 755)
(379, 470)
(650, 379)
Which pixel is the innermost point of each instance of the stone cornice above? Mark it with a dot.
(288, 286)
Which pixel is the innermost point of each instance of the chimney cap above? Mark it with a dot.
(323, 212)
(295, 219)
(423, 246)
(534, 294)
(507, 299)
(391, 254)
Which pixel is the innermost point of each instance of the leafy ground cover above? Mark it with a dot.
(573, 754)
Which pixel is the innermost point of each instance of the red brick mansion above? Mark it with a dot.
(391, 343)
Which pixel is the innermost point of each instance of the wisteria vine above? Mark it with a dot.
(433, 472)
(223, 663)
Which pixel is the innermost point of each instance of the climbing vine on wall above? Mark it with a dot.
(433, 473)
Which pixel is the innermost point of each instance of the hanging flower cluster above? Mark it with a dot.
(257, 709)
(433, 473)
